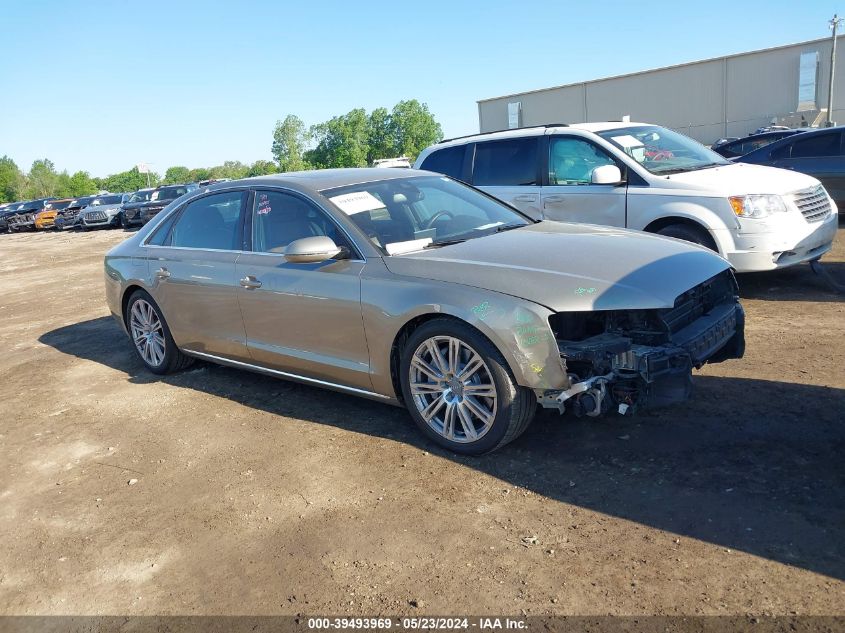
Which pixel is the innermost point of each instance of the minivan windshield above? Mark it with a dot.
(401, 215)
(662, 151)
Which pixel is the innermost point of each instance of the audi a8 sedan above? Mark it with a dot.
(411, 288)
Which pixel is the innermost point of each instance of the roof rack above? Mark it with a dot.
(528, 127)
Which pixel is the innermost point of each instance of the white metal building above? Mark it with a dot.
(709, 99)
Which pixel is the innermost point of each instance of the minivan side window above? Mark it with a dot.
(448, 161)
(572, 161)
(506, 162)
(211, 222)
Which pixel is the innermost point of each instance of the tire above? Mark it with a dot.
(158, 352)
(689, 234)
(441, 408)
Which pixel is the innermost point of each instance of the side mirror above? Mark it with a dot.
(309, 250)
(606, 175)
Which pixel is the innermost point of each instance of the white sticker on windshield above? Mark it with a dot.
(357, 202)
(627, 141)
(397, 248)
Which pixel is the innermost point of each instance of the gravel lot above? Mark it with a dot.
(251, 495)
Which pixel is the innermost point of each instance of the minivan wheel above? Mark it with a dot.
(689, 234)
(151, 337)
(459, 389)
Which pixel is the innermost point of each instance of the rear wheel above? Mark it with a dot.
(689, 234)
(151, 336)
(460, 391)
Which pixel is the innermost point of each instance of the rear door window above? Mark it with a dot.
(210, 222)
(506, 162)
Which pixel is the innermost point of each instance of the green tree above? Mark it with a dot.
(43, 179)
(200, 173)
(289, 141)
(126, 181)
(177, 175)
(81, 184)
(413, 128)
(262, 168)
(233, 169)
(11, 180)
(341, 142)
(380, 142)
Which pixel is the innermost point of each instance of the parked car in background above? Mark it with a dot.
(46, 219)
(819, 153)
(648, 178)
(722, 141)
(771, 128)
(410, 288)
(66, 218)
(741, 146)
(102, 212)
(402, 162)
(160, 198)
(11, 209)
(129, 213)
(24, 218)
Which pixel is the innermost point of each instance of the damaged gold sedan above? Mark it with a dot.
(414, 289)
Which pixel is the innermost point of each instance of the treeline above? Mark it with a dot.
(355, 139)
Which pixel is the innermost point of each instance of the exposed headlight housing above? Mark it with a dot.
(757, 206)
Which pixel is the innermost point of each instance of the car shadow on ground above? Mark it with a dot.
(796, 283)
(751, 465)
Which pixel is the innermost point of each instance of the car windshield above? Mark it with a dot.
(106, 200)
(662, 151)
(140, 196)
(408, 214)
(169, 193)
(58, 206)
(82, 202)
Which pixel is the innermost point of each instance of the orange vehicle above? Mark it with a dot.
(46, 219)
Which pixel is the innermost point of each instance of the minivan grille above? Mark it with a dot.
(813, 203)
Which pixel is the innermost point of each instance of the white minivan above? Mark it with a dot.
(648, 178)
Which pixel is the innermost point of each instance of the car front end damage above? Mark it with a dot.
(625, 359)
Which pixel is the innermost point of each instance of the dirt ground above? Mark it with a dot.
(251, 495)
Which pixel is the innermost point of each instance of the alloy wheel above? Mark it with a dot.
(453, 389)
(147, 332)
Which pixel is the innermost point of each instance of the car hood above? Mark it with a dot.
(739, 179)
(103, 207)
(570, 267)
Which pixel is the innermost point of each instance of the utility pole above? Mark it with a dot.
(833, 24)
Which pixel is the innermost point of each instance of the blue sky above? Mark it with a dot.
(101, 86)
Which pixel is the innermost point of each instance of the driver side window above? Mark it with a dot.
(572, 161)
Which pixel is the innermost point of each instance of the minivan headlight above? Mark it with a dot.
(757, 206)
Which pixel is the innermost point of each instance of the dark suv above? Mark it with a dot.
(139, 213)
(7, 212)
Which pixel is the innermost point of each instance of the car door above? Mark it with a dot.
(819, 155)
(569, 195)
(509, 169)
(192, 267)
(303, 319)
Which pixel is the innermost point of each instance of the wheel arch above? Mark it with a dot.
(662, 223)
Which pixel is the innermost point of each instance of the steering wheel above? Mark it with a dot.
(437, 216)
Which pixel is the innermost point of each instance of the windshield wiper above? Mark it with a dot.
(708, 166)
(508, 227)
(456, 240)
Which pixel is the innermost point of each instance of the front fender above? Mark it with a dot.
(519, 329)
(711, 213)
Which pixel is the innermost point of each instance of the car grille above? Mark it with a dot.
(96, 216)
(813, 203)
(699, 300)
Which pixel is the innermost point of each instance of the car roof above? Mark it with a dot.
(539, 130)
(321, 179)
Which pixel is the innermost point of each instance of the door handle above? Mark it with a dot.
(250, 283)
(525, 198)
(162, 273)
(554, 199)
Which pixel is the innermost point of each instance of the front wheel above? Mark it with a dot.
(689, 234)
(460, 391)
(151, 336)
